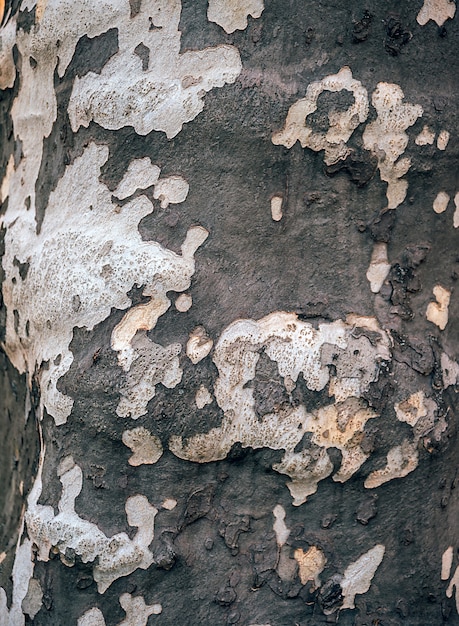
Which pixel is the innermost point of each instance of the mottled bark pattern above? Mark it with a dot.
(229, 546)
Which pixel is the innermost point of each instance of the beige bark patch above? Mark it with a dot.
(401, 460)
(199, 345)
(146, 448)
(446, 563)
(454, 583)
(342, 124)
(7, 41)
(203, 397)
(311, 564)
(437, 312)
(184, 302)
(232, 15)
(358, 576)
(379, 267)
(442, 139)
(441, 202)
(411, 410)
(276, 208)
(387, 139)
(437, 10)
(426, 137)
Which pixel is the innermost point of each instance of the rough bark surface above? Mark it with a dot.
(229, 315)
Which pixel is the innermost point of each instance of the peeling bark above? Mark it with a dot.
(235, 223)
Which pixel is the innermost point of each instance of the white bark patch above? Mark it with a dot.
(146, 448)
(437, 10)
(279, 526)
(276, 208)
(426, 137)
(165, 95)
(311, 564)
(88, 255)
(232, 15)
(441, 202)
(184, 302)
(34, 109)
(442, 139)
(446, 563)
(387, 139)
(454, 583)
(93, 617)
(342, 124)
(437, 312)
(379, 267)
(199, 345)
(117, 556)
(145, 316)
(22, 573)
(203, 397)
(358, 576)
(456, 212)
(172, 190)
(297, 348)
(140, 174)
(137, 612)
(169, 504)
(419, 412)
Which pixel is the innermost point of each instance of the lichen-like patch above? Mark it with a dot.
(78, 271)
(387, 139)
(171, 89)
(297, 348)
(116, 556)
(342, 124)
(146, 448)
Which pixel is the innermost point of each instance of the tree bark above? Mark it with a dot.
(228, 322)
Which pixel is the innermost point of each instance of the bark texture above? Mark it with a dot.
(229, 315)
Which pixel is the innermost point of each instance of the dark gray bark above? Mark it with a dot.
(217, 557)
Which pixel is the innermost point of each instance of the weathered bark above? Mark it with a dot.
(228, 322)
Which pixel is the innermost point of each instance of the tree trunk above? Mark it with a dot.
(228, 321)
